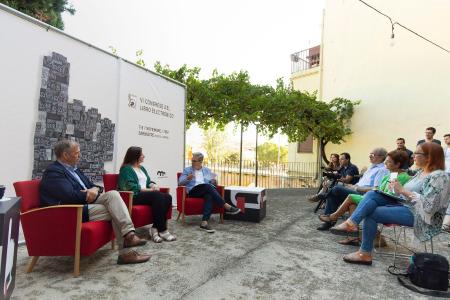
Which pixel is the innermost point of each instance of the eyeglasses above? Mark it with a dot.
(196, 161)
(373, 154)
(419, 153)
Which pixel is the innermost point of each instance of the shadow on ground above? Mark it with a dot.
(283, 257)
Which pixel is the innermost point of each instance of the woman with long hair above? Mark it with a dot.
(426, 198)
(394, 161)
(333, 166)
(134, 177)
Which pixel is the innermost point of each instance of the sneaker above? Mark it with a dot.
(233, 210)
(207, 228)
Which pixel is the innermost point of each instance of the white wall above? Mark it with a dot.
(95, 78)
(404, 87)
(307, 80)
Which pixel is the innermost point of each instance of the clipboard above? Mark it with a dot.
(392, 197)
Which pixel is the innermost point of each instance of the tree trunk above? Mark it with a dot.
(323, 143)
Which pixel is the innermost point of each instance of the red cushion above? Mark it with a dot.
(51, 232)
(194, 206)
(141, 215)
(94, 235)
(110, 181)
(29, 191)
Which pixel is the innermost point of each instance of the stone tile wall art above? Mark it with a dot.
(60, 119)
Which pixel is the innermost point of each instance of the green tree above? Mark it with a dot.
(299, 115)
(269, 152)
(232, 98)
(140, 60)
(47, 11)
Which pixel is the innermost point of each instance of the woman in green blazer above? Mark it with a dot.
(133, 177)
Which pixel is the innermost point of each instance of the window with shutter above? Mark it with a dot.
(306, 146)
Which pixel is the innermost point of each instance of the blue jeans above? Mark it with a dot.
(209, 193)
(335, 198)
(376, 208)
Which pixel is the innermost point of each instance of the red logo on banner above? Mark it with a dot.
(241, 203)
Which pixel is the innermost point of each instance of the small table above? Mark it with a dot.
(9, 228)
(251, 201)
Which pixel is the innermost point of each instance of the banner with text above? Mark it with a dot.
(151, 116)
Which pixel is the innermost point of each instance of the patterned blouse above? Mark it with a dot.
(429, 203)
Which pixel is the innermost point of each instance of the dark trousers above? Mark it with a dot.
(211, 196)
(335, 198)
(160, 203)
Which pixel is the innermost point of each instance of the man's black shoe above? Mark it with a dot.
(326, 226)
(322, 196)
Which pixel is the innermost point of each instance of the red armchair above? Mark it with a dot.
(58, 230)
(141, 215)
(188, 206)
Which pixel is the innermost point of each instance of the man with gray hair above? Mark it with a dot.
(201, 182)
(370, 180)
(63, 183)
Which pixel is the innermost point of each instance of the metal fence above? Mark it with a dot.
(266, 174)
(305, 59)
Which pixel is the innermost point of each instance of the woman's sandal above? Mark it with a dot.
(155, 236)
(326, 218)
(167, 236)
(345, 229)
(358, 258)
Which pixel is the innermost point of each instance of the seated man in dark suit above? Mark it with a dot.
(63, 183)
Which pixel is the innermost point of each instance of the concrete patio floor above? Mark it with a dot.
(283, 257)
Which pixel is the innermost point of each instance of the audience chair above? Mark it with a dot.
(188, 206)
(141, 215)
(322, 200)
(397, 231)
(58, 230)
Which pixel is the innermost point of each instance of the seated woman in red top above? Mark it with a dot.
(134, 177)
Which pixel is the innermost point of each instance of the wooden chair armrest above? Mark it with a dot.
(51, 207)
(127, 197)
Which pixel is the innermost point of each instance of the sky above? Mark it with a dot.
(233, 35)
(257, 36)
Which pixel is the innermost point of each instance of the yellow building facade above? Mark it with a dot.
(402, 82)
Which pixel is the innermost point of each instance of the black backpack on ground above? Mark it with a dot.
(428, 274)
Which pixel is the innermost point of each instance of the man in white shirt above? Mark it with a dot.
(446, 223)
(370, 180)
(447, 153)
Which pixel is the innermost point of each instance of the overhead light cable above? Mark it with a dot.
(403, 26)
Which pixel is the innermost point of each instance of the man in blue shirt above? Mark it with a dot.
(348, 171)
(200, 182)
(370, 180)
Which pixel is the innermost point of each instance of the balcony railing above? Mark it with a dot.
(267, 175)
(305, 59)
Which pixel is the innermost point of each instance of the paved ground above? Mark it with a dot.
(283, 257)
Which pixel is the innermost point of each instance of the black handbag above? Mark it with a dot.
(428, 275)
